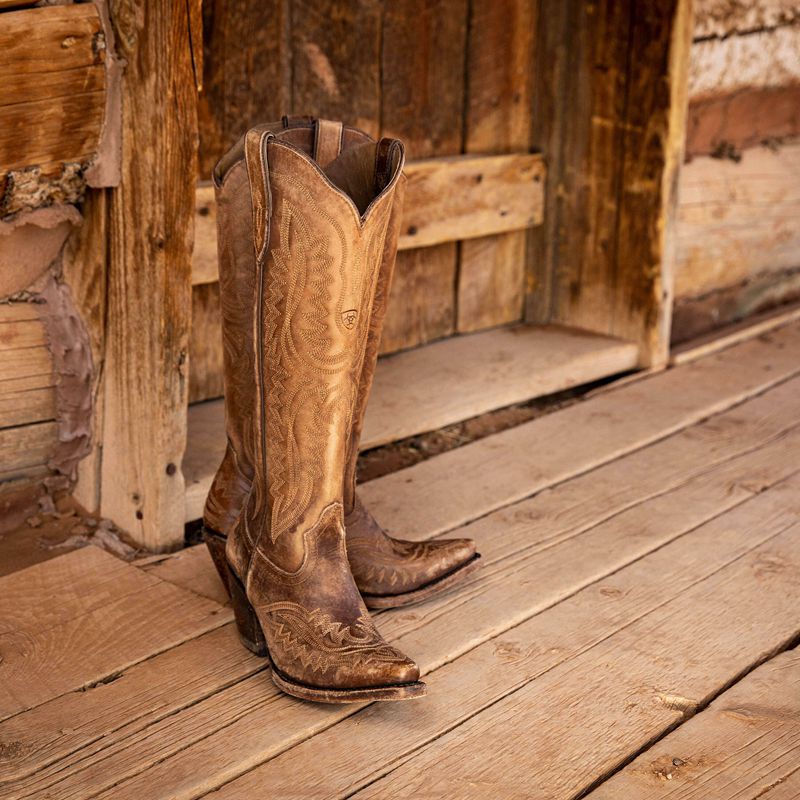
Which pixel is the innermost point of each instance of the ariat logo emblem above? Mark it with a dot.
(349, 318)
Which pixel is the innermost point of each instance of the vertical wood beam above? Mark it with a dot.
(246, 71)
(149, 275)
(422, 102)
(491, 277)
(609, 117)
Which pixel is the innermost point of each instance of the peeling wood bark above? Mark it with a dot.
(84, 266)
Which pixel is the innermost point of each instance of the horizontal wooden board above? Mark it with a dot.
(725, 125)
(27, 381)
(447, 199)
(26, 449)
(760, 60)
(744, 744)
(722, 18)
(697, 316)
(52, 86)
(737, 220)
(439, 384)
(481, 617)
(734, 334)
(464, 197)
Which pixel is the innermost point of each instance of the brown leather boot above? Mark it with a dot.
(389, 572)
(296, 294)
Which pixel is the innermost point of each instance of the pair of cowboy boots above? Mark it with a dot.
(308, 218)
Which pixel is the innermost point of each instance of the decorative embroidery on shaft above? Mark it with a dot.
(317, 284)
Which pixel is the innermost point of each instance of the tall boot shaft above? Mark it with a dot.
(317, 255)
(388, 572)
(325, 141)
(293, 365)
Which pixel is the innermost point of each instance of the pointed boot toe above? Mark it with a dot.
(393, 572)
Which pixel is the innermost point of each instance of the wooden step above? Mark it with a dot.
(439, 384)
(746, 743)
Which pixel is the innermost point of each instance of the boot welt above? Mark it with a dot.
(432, 589)
(366, 694)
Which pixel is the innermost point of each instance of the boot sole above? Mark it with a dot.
(252, 637)
(216, 546)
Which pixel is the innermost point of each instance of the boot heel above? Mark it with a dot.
(215, 543)
(246, 619)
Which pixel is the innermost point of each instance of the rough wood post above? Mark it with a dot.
(149, 275)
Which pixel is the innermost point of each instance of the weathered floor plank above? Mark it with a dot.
(632, 687)
(745, 744)
(75, 620)
(79, 724)
(240, 727)
(579, 502)
(439, 494)
(191, 569)
(568, 658)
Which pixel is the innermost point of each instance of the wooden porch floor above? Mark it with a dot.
(629, 636)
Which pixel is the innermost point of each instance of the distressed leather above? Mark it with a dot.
(382, 566)
(295, 333)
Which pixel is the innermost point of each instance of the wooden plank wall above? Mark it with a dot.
(427, 72)
(737, 236)
(57, 77)
(97, 178)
